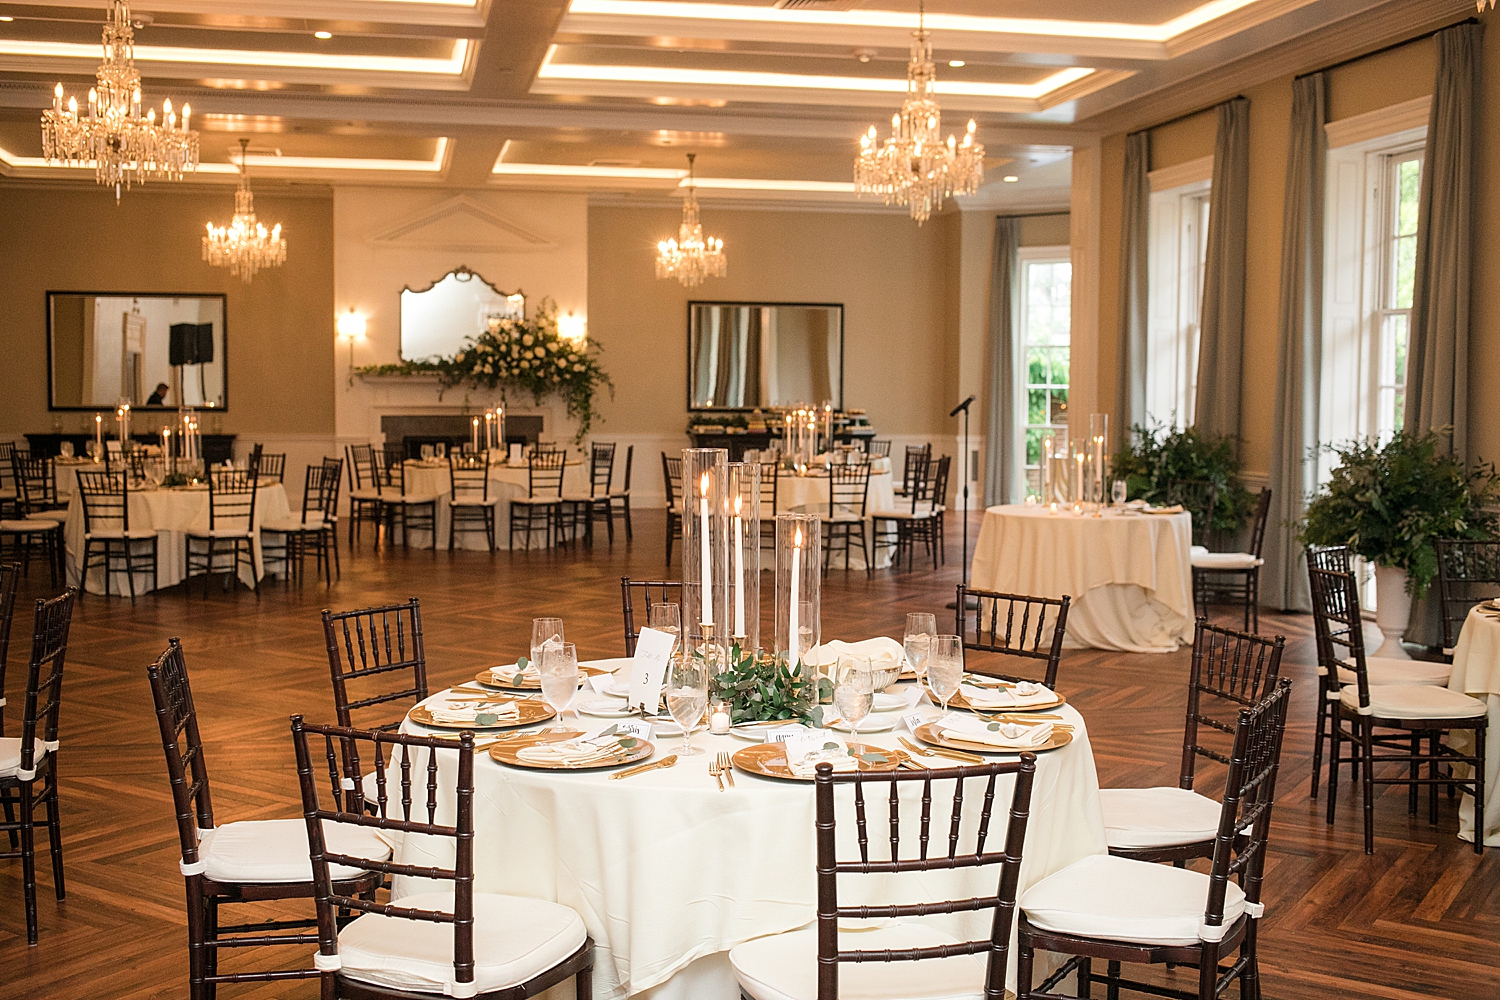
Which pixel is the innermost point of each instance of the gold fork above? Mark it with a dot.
(714, 770)
(727, 767)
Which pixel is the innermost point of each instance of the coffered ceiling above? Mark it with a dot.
(607, 95)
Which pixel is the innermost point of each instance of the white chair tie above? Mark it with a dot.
(347, 784)
(202, 833)
(1367, 710)
(327, 963)
(193, 868)
(51, 745)
(1256, 910)
(460, 990)
(1207, 932)
(26, 773)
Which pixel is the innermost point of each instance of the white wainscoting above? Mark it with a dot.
(301, 450)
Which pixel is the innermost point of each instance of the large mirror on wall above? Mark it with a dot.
(156, 350)
(743, 355)
(438, 319)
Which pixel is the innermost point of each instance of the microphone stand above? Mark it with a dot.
(969, 602)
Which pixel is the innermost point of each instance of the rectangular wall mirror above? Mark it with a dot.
(743, 355)
(156, 350)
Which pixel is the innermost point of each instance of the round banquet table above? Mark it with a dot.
(1476, 672)
(668, 873)
(507, 483)
(809, 495)
(171, 513)
(1130, 575)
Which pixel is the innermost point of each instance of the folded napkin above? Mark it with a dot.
(881, 646)
(571, 752)
(1023, 695)
(1175, 508)
(807, 767)
(1004, 735)
(805, 751)
(508, 673)
(459, 712)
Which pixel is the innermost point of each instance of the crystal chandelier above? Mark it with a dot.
(915, 167)
(244, 246)
(691, 257)
(125, 146)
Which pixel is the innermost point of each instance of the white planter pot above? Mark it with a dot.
(1392, 611)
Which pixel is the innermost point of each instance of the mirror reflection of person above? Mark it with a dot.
(159, 397)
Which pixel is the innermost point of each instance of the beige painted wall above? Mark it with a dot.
(891, 276)
(280, 327)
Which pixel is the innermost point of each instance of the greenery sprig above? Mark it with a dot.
(762, 688)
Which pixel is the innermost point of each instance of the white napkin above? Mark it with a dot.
(460, 712)
(828, 653)
(576, 751)
(1023, 695)
(509, 671)
(995, 734)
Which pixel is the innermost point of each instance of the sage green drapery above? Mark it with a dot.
(1005, 443)
(1135, 286)
(1216, 408)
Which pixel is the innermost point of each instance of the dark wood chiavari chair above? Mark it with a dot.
(1198, 497)
(231, 529)
(1122, 910)
(776, 967)
(619, 500)
(501, 946)
(1178, 824)
(1468, 573)
(28, 764)
(9, 493)
(1013, 625)
(770, 498)
(401, 507)
(899, 528)
(1337, 559)
(333, 481)
(595, 505)
(918, 456)
(285, 542)
(366, 645)
(253, 861)
(937, 499)
(877, 449)
(1407, 715)
(109, 543)
(649, 592)
(42, 530)
(1234, 577)
(671, 475)
(364, 493)
(471, 509)
(10, 579)
(542, 506)
(848, 496)
(270, 467)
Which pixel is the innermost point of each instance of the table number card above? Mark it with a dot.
(648, 670)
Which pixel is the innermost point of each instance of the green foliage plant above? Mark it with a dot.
(1160, 455)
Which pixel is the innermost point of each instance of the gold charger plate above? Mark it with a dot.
(959, 701)
(927, 732)
(531, 712)
(505, 678)
(505, 752)
(761, 758)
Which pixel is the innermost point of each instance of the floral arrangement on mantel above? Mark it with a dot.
(525, 354)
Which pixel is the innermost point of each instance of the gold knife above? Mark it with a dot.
(666, 761)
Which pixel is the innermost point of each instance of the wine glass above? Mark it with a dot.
(853, 689)
(544, 631)
(1118, 491)
(945, 668)
(559, 670)
(665, 618)
(920, 628)
(687, 697)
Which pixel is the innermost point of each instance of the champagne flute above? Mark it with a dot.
(687, 697)
(945, 669)
(853, 690)
(559, 670)
(920, 628)
(543, 632)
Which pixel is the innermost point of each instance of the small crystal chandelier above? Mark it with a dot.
(125, 146)
(915, 167)
(690, 257)
(244, 246)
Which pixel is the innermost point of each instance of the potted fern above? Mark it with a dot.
(1390, 503)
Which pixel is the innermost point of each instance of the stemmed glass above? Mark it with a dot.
(945, 669)
(687, 697)
(665, 618)
(1118, 490)
(853, 690)
(559, 670)
(544, 631)
(920, 628)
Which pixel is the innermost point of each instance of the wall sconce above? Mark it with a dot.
(350, 327)
(574, 329)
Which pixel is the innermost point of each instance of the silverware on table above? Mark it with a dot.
(716, 771)
(727, 766)
(629, 772)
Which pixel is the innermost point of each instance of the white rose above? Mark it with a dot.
(525, 363)
(578, 368)
(527, 340)
(539, 352)
(572, 358)
(459, 358)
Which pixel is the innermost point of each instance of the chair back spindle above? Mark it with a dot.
(642, 594)
(1229, 670)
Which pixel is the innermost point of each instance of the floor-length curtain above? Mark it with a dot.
(1216, 409)
(1135, 286)
(1005, 463)
(1299, 336)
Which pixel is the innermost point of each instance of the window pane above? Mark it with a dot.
(1036, 363)
(1060, 406)
(1409, 180)
(1405, 267)
(1036, 412)
(1033, 446)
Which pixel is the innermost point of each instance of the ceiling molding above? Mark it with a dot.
(458, 225)
(462, 13)
(1231, 24)
(1191, 172)
(1380, 122)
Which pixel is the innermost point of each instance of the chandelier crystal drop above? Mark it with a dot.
(124, 145)
(914, 166)
(245, 245)
(691, 257)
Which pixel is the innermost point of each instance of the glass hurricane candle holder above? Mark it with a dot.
(1099, 458)
(706, 616)
(799, 585)
(743, 496)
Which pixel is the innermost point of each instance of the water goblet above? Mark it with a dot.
(920, 628)
(559, 671)
(945, 668)
(544, 631)
(853, 690)
(687, 697)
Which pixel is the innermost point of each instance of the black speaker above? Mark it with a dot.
(205, 344)
(190, 344)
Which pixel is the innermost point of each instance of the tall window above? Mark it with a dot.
(1178, 248)
(1401, 179)
(1045, 313)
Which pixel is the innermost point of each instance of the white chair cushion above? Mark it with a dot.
(1157, 817)
(474, 502)
(615, 494)
(135, 534)
(785, 966)
(1414, 701)
(902, 515)
(275, 850)
(365, 493)
(1225, 560)
(1383, 671)
(515, 939)
(1198, 550)
(314, 523)
(28, 527)
(56, 516)
(411, 498)
(223, 533)
(1123, 900)
(10, 755)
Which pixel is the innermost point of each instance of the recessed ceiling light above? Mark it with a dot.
(1010, 178)
(323, 34)
(957, 63)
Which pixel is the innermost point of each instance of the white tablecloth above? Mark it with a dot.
(65, 473)
(669, 873)
(809, 494)
(1129, 575)
(1476, 672)
(506, 483)
(171, 513)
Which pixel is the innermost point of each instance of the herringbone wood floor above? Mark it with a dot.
(1419, 918)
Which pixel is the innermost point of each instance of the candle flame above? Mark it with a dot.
(703, 484)
(736, 506)
(797, 539)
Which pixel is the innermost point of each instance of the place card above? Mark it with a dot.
(810, 741)
(784, 733)
(639, 728)
(912, 720)
(653, 648)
